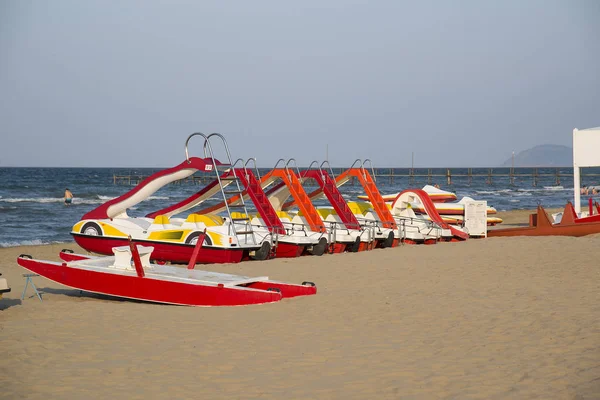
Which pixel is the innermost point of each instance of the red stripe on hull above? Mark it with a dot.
(176, 253)
(364, 246)
(289, 250)
(159, 291)
(339, 247)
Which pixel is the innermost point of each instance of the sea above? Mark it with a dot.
(32, 209)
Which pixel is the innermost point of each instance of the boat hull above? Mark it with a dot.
(158, 291)
(540, 225)
(173, 252)
(572, 230)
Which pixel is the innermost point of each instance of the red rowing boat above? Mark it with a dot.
(129, 274)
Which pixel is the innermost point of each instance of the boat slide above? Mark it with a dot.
(344, 232)
(286, 240)
(402, 207)
(387, 233)
(413, 228)
(339, 237)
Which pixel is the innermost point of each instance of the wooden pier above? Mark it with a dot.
(411, 176)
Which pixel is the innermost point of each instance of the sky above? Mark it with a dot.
(459, 83)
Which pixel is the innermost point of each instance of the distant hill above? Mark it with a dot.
(545, 155)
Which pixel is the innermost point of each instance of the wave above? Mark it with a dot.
(76, 200)
(33, 200)
(107, 198)
(33, 242)
(494, 192)
(557, 188)
(521, 193)
(46, 200)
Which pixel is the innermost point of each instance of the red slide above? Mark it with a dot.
(433, 214)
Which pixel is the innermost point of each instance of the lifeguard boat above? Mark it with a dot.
(130, 274)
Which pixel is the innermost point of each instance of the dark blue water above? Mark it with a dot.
(32, 209)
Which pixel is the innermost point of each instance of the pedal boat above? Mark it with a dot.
(437, 195)
(350, 229)
(129, 274)
(417, 224)
(540, 224)
(227, 240)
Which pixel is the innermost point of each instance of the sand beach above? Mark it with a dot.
(498, 318)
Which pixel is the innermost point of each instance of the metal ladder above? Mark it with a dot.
(219, 169)
(274, 236)
(401, 230)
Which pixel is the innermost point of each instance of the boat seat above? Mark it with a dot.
(371, 216)
(257, 221)
(239, 215)
(123, 256)
(359, 207)
(300, 220)
(143, 223)
(161, 222)
(333, 217)
(283, 215)
(201, 221)
(325, 212)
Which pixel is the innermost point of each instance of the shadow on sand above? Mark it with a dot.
(6, 303)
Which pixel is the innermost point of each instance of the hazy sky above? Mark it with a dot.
(459, 83)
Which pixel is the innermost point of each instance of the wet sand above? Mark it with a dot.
(498, 318)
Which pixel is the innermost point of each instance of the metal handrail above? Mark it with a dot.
(277, 163)
(372, 169)
(295, 165)
(207, 143)
(355, 161)
(208, 150)
(187, 156)
(253, 159)
(330, 169)
(311, 164)
(287, 167)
